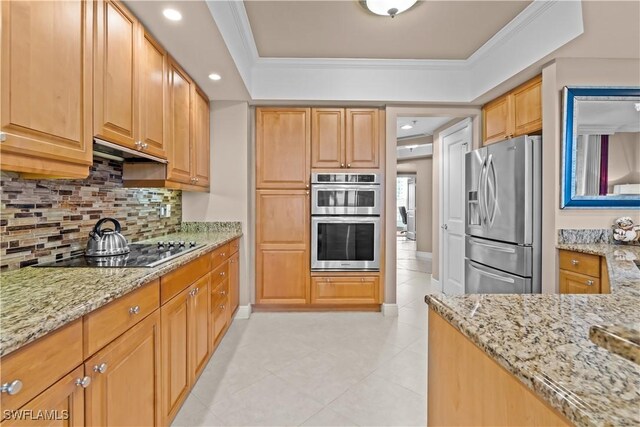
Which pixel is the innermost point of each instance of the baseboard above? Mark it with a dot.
(423, 255)
(244, 312)
(390, 310)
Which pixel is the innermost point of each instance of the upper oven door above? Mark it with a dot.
(345, 200)
(345, 243)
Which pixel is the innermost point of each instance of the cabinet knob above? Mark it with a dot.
(575, 262)
(306, 186)
(307, 193)
(223, 254)
(589, 282)
(101, 368)
(145, 145)
(341, 165)
(348, 165)
(223, 293)
(222, 273)
(197, 179)
(11, 388)
(221, 306)
(83, 382)
(134, 310)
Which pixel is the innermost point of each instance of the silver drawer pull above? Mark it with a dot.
(589, 282)
(83, 382)
(223, 293)
(221, 306)
(11, 388)
(101, 368)
(493, 247)
(222, 273)
(134, 309)
(575, 262)
(222, 254)
(493, 276)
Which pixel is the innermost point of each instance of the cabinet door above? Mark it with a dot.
(63, 400)
(201, 141)
(282, 253)
(234, 282)
(46, 110)
(497, 123)
(116, 74)
(179, 155)
(199, 311)
(220, 309)
(574, 283)
(175, 354)
(154, 94)
(527, 107)
(283, 145)
(125, 386)
(362, 138)
(327, 138)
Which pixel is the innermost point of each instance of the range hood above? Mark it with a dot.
(111, 151)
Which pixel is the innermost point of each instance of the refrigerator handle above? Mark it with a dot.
(481, 201)
(493, 276)
(494, 205)
(485, 181)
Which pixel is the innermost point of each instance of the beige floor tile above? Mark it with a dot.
(407, 369)
(195, 414)
(328, 418)
(414, 316)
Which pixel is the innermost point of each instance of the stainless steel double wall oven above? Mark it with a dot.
(345, 221)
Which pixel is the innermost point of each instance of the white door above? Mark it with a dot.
(411, 209)
(456, 141)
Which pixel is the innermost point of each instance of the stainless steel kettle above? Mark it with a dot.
(106, 241)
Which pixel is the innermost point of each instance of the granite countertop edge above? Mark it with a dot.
(18, 336)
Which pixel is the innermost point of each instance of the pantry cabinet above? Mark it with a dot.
(345, 138)
(125, 387)
(46, 110)
(518, 112)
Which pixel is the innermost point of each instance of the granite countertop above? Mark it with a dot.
(544, 340)
(36, 301)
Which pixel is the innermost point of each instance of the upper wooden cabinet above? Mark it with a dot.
(283, 138)
(345, 138)
(516, 113)
(180, 124)
(46, 106)
(200, 143)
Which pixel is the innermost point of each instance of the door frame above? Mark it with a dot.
(467, 122)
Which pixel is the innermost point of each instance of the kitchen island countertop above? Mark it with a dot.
(37, 301)
(544, 340)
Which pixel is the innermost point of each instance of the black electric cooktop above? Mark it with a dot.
(140, 255)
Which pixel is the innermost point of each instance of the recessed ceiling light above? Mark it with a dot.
(406, 127)
(637, 106)
(172, 14)
(389, 7)
(215, 76)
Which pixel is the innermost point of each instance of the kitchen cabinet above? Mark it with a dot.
(345, 290)
(345, 138)
(46, 110)
(583, 273)
(200, 143)
(66, 396)
(282, 252)
(220, 310)
(234, 282)
(125, 387)
(467, 387)
(199, 310)
(283, 145)
(180, 115)
(518, 112)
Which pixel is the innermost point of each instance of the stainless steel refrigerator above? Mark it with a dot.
(503, 217)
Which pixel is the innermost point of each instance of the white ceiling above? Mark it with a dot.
(608, 116)
(344, 29)
(422, 125)
(195, 43)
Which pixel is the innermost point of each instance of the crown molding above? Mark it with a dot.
(538, 30)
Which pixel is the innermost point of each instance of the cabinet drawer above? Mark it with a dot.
(40, 364)
(109, 322)
(219, 292)
(219, 274)
(574, 283)
(220, 255)
(173, 283)
(344, 290)
(580, 263)
(234, 246)
(220, 314)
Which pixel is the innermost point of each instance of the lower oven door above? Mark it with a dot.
(345, 243)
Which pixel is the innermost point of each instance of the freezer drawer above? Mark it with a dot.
(503, 256)
(481, 279)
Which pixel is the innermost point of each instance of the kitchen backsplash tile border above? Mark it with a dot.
(584, 236)
(46, 220)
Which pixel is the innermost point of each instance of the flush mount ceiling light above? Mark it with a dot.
(172, 14)
(388, 7)
(408, 125)
(637, 106)
(215, 76)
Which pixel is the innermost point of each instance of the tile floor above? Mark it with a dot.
(321, 369)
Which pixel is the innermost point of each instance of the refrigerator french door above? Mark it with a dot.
(503, 217)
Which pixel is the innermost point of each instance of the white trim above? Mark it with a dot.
(456, 127)
(423, 255)
(390, 310)
(541, 28)
(244, 312)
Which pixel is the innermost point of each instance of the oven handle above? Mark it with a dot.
(345, 219)
(346, 187)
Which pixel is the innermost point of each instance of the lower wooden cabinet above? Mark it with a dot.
(63, 401)
(220, 310)
(582, 273)
(345, 290)
(200, 331)
(125, 387)
(234, 282)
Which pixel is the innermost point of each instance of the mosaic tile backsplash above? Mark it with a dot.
(45, 220)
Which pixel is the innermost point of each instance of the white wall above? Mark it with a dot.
(228, 199)
(423, 168)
